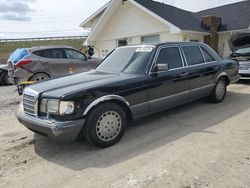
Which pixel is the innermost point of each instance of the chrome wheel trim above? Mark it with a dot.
(108, 126)
(220, 90)
(39, 78)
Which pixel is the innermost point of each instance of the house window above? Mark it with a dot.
(122, 42)
(150, 39)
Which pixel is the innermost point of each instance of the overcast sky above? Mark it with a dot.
(37, 18)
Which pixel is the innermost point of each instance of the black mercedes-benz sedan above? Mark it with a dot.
(132, 82)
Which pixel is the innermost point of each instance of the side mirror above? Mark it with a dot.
(160, 67)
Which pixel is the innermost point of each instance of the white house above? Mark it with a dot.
(127, 22)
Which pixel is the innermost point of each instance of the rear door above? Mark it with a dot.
(78, 61)
(202, 69)
(54, 61)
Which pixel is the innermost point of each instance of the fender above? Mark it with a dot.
(103, 99)
(220, 75)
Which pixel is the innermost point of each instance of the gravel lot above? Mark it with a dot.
(196, 145)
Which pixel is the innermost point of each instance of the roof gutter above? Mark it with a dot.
(95, 14)
(196, 32)
(236, 31)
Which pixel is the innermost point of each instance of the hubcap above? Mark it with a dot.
(108, 126)
(220, 90)
(40, 78)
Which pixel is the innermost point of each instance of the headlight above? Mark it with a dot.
(66, 107)
(56, 107)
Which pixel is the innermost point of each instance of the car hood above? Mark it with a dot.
(239, 41)
(78, 83)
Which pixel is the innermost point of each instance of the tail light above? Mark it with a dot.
(23, 62)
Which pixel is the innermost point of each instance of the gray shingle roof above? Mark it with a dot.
(234, 16)
(183, 19)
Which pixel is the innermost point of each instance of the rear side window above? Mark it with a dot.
(51, 53)
(207, 56)
(170, 56)
(193, 55)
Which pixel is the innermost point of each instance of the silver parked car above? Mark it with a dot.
(47, 62)
(240, 46)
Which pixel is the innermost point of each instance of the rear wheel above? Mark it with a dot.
(39, 77)
(105, 125)
(219, 92)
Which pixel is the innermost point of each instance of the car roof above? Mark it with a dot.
(164, 43)
(35, 48)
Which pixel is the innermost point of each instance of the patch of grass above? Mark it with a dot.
(6, 48)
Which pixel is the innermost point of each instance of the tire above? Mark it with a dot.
(105, 125)
(5, 79)
(39, 77)
(1, 78)
(219, 92)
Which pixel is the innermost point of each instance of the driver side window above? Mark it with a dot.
(170, 56)
(72, 54)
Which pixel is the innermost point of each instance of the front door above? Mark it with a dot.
(171, 87)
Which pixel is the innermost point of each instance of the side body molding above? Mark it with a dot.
(103, 99)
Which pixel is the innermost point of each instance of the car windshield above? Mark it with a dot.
(243, 51)
(130, 60)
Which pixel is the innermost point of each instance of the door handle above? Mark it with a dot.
(183, 74)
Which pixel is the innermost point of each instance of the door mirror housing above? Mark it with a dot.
(160, 67)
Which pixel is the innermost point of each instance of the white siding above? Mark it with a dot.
(130, 21)
(192, 37)
(168, 37)
(224, 50)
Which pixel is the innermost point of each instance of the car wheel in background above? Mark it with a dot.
(105, 125)
(39, 77)
(219, 92)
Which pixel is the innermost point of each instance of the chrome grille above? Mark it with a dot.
(30, 102)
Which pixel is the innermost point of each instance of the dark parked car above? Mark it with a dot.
(131, 83)
(240, 46)
(47, 62)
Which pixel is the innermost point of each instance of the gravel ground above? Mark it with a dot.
(9, 100)
(195, 145)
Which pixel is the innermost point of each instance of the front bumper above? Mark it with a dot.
(244, 74)
(19, 75)
(57, 131)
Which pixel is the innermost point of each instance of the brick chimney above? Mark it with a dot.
(212, 24)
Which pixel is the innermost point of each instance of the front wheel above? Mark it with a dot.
(105, 125)
(219, 92)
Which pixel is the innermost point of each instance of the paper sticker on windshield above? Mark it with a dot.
(144, 49)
